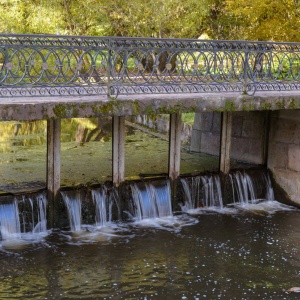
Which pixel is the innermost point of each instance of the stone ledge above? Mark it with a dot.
(35, 108)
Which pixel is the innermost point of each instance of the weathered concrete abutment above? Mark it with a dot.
(284, 151)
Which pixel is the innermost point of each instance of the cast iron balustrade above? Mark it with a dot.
(52, 65)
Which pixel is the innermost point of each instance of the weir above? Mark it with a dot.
(26, 219)
(245, 112)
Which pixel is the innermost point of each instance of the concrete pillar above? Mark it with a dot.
(225, 146)
(118, 145)
(53, 164)
(174, 146)
(265, 138)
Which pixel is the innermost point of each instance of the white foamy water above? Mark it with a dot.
(94, 233)
(170, 223)
(255, 207)
(264, 206)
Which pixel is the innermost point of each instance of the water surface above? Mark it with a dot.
(207, 255)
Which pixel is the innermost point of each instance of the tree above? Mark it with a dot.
(27, 16)
(272, 20)
(220, 19)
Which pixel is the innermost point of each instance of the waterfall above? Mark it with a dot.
(34, 214)
(202, 191)
(104, 202)
(191, 192)
(151, 200)
(9, 221)
(246, 190)
(41, 225)
(24, 216)
(212, 191)
(242, 187)
(73, 205)
(206, 191)
(269, 188)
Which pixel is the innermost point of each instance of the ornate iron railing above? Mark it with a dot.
(35, 65)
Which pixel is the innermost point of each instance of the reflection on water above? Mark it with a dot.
(240, 255)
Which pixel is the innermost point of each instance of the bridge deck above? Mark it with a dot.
(35, 108)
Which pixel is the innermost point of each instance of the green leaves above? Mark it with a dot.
(265, 19)
(220, 19)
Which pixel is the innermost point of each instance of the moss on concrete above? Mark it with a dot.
(60, 110)
(280, 105)
(148, 105)
(107, 108)
(230, 106)
(293, 104)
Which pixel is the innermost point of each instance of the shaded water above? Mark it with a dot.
(240, 255)
(245, 250)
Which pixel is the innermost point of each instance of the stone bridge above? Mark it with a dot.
(245, 95)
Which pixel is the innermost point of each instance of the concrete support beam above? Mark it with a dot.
(53, 164)
(225, 146)
(118, 145)
(174, 146)
(265, 138)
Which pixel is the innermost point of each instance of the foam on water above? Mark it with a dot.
(169, 223)
(212, 209)
(263, 207)
(94, 234)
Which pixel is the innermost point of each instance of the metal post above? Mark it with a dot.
(245, 75)
(225, 147)
(53, 164)
(108, 70)
(118, 150)
(174, 146)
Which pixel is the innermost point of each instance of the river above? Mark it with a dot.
(205, 254)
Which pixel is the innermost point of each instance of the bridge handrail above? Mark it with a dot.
(35, 65)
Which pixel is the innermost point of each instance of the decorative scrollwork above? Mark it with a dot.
(50, 65)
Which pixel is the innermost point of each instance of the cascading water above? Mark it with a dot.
(212, 191)
(79, 210)
(269, 188)
(151, 200)
(192, 196)
(9, 221)
(34, 218)
(246, 190)
(202, 191)
(103, 207)
(206, 191)
(242, 187)
(104, 203)
(31, 220)
(73, 205)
